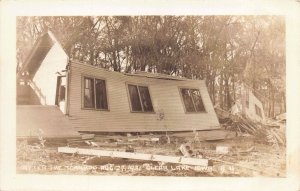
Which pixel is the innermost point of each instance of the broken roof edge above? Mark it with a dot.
(145, 74)
(36, 46)
(156, 76)
(54, 40)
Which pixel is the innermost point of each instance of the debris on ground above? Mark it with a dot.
(241, 147)
(244, 126)
(222, 149)
(186, 150)
(135, 156)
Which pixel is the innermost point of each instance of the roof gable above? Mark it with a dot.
(38, 53)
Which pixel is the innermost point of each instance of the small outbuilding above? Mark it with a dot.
(249, 105)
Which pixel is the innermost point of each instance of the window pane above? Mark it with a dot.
(87, 82)
(89, 93)
(134, 98)
(247, 98)
(101, 97)
(197, 100)
(258, 111)
(187, 100)
(145, 98)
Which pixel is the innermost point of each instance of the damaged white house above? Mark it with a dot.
(54, 91)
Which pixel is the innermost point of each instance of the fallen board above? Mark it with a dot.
(137, 156)
(212, 135)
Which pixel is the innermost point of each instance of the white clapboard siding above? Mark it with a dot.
(45, 79)
(251, 112)
(165, 98)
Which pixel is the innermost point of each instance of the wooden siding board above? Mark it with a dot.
(165, 97)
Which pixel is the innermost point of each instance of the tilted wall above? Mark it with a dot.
(165, 96)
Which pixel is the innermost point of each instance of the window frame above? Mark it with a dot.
(129, 100)
(182, 101)
(83, 76)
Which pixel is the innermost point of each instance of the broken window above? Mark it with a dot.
(140, 98)
(258, 111)
(192, 100)
(89, 93)
(197, 100)
(187, 100)
(145, 99)
(101, 98)
(95, 95)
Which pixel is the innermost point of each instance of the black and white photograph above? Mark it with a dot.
(152, 96)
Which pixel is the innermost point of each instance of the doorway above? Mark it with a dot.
(61, 92)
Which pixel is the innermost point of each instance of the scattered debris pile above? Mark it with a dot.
(244, 126)
(241, 148)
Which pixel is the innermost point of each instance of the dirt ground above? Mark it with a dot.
(247, 157)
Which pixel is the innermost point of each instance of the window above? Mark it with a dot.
(89, 100)
(192, 100)
(101, 96)
(95, 95)
(258, 111)
(247, 98)
(140, 98)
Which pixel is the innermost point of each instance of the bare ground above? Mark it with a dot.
(247, 157)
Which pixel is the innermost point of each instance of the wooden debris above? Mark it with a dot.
(91, 143)
(222, 114)
(205, 135)
(222, 150)
(279, 139)
(251, 149)
(265, 133)
(129, 148)
(186, 150)
(87, 136)
(216, 138)
(165, 139)
(136, 156)
(154, 139)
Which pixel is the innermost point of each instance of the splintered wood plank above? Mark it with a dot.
(136, 156)
(212, 135)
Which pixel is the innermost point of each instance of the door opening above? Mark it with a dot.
(61, 92)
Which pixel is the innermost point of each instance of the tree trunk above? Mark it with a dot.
(221, 95)
(228, 100)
